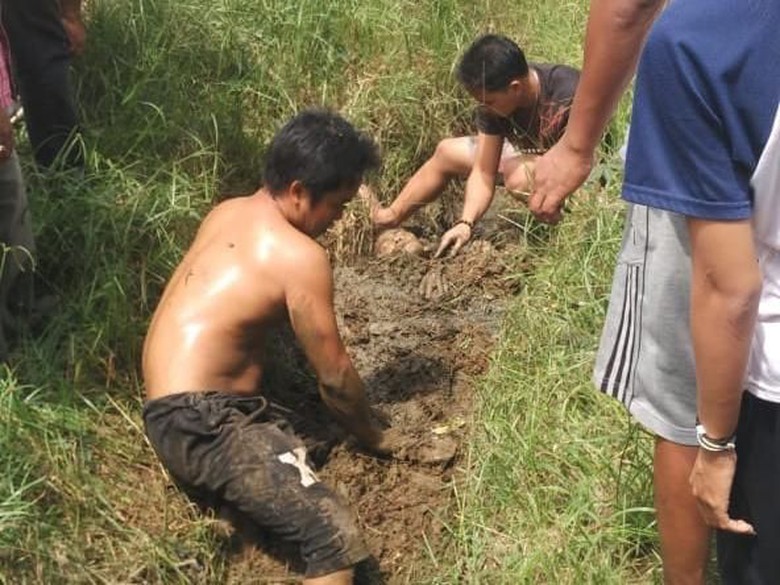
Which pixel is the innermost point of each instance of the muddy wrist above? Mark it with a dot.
(368, 434)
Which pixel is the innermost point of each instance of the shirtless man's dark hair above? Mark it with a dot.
(321, 151)
(253, 264)
(491, 63)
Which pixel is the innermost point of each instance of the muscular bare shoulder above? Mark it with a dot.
(307, 266)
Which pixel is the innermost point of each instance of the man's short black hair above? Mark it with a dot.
(320, 149)
(491, 63)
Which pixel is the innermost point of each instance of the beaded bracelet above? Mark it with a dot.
(465, 221)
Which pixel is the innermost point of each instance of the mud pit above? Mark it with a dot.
(419, 358)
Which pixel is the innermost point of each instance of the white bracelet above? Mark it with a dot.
(711, 445)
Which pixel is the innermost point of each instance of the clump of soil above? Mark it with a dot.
(419, 331)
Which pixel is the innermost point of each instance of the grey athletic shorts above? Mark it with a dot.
(224, 451)
(645, 358)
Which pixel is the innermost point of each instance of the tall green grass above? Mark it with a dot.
(558, 484)
(179, 99)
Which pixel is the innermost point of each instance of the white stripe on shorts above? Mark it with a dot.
(620, 367)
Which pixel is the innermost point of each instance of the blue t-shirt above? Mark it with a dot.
(707, 91)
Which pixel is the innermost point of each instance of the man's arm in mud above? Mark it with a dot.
(616, 32)
(480, 188)
(309, 295)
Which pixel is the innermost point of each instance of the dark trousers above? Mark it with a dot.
(16, 247)
(41, 56)
(755, 497)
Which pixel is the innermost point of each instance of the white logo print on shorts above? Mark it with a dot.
(297, 458)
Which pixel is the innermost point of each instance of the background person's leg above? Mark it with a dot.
(684, 535)
(41, 57)
(16, 246)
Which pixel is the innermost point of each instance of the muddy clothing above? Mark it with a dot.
(225, 451)
(534, 130)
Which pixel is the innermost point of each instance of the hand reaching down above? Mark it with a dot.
(454, 239)
(711, 479)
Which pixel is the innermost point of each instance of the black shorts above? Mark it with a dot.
(223, 451)
(755, 497)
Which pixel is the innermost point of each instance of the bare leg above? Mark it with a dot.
(453, 157)
(518, 171)
(338, 578)
(684, 535)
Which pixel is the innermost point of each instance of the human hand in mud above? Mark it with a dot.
(392, 441)
(454, 239)
(434, 285)
(381, 217)
(384, 217)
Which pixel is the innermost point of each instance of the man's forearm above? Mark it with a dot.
(725, 293)
(479, 195)
(616, 32)
(345, 396)
(722, 327)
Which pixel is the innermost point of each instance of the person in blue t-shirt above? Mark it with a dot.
(686, 303)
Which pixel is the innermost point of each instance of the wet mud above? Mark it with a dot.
(420, 332)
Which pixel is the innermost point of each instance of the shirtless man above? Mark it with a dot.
(254, 263)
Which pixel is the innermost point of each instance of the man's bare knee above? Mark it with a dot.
(453, 156)
(518, 177)
(343, 577)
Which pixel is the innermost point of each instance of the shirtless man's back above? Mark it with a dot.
(253, 263)
(209, 328)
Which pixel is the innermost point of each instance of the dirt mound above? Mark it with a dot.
(418, 350)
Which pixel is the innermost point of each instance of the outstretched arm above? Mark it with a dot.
(309, 294)
(615, 34)
(480, 188)
(725, 291)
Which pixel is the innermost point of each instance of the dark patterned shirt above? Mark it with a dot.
(534, 130)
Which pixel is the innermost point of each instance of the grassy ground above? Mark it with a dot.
(179, 99)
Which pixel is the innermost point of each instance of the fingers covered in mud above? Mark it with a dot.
(434, 284)
(422, 446)
(429, 450)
